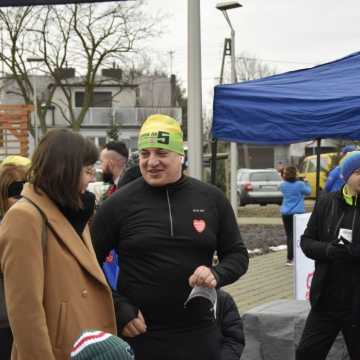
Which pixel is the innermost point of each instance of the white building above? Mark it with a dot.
(114, 101)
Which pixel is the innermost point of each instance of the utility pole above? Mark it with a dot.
(195, 136)
(171, 54)
(35, 100)
(224, 7)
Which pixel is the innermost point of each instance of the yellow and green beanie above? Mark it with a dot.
(161, 131)
(16, 160)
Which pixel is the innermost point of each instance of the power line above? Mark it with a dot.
(295, 62)
(279, 61)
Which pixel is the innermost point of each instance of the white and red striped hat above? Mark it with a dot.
(99, 345)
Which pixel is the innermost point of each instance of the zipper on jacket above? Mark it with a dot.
(170, 214)
(338, 224)
(353, 223)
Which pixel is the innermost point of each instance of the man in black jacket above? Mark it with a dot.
(165, 227)
(113, 158)
(332, 239)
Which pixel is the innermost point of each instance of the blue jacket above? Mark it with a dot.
(111, 269)
(293, 197)
(334, 181)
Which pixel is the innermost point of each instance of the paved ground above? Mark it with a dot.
(259, 220)
(267, 279)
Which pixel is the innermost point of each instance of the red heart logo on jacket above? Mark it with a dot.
(199, 225)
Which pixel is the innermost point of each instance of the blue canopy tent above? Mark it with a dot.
(315, 103)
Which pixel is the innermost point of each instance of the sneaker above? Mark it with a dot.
(289, 263)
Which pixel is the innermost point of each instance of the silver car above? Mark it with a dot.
(258, 186)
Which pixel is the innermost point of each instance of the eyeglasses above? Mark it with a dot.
(89, 170)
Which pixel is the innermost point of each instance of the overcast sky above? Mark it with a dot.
(286, 34)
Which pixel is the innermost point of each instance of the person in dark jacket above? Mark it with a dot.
(231, 325)
(165, 227)
(332, 239)
(111, 266)
(113, 159)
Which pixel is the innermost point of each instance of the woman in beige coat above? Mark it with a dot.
(54, 287)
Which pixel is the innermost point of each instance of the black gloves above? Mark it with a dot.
(355, 251)
(336, 251)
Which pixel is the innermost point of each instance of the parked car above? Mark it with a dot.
(308, 170)
(258, 186)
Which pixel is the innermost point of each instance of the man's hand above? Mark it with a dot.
(204, 277)
(135, 327)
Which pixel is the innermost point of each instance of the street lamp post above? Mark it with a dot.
(195, 143)
(35, 112)
(223, 7)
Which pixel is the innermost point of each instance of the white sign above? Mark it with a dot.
(304, 267)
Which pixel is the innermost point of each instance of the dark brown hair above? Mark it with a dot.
(57, 164)
(118, 146)
(9, 173)
(289, 173)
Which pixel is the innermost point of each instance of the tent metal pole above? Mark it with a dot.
(214, 143)
(233, 145)
(318, 151)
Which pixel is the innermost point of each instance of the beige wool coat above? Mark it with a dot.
(49, 304)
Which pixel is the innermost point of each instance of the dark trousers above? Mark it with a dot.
(320, 332)
(189, 344)
(288, 226)
(6, 340)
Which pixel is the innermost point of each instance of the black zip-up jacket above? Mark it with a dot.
(333, 261)
(162, 234)
(231, 325)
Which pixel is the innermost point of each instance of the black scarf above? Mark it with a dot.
(79, 218)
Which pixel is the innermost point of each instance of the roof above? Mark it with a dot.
(319, 102)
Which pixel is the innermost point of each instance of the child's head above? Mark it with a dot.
(99, 345)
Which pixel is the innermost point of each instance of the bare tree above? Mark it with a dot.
(87, 37)
(15, 23)
(251, 68)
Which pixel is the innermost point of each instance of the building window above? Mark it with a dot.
(102, 141)
(101, 99)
